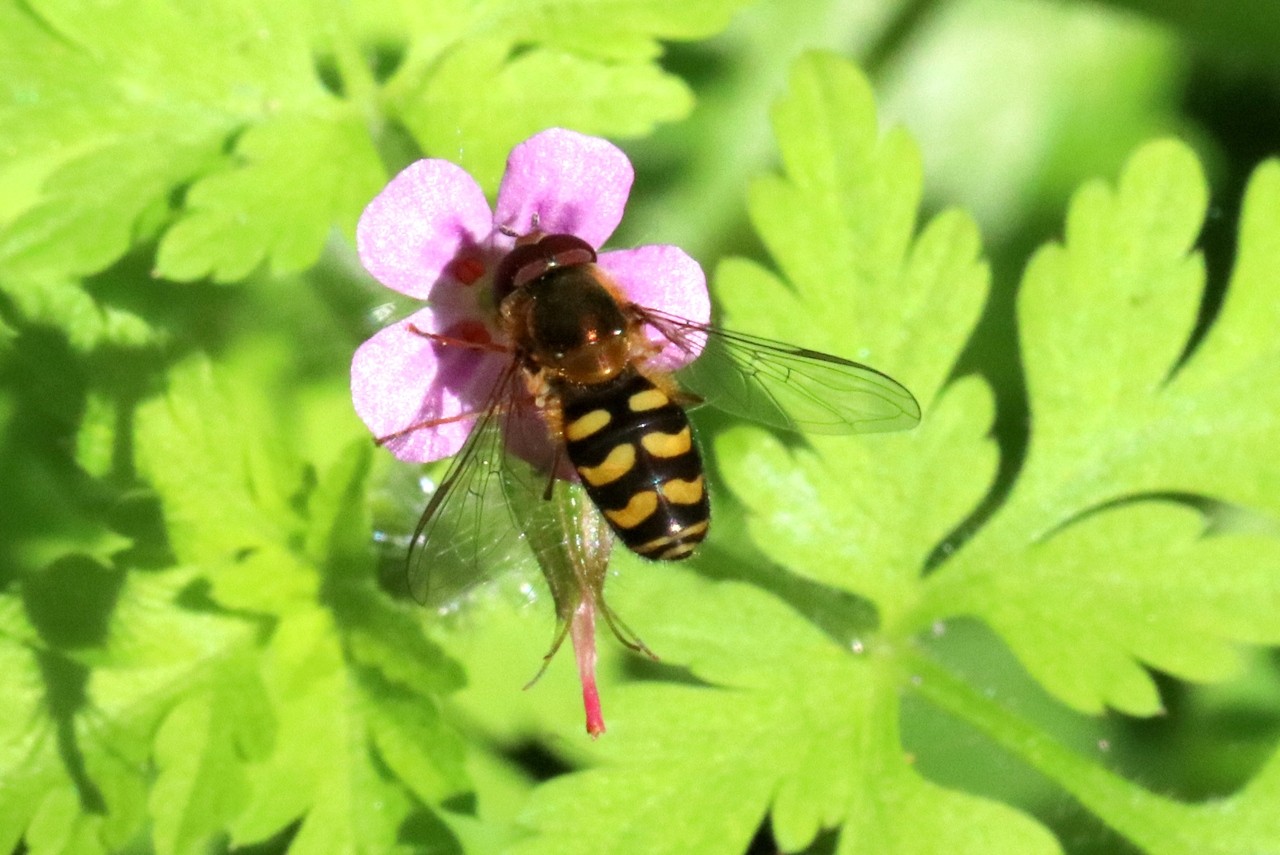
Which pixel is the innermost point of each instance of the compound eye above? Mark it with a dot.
(526, 262)
(518, 267)
(567, 250)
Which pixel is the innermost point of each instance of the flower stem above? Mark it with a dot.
(583, 631)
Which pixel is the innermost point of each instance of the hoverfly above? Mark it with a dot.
(580, 398)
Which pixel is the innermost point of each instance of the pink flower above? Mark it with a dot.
(430, 234)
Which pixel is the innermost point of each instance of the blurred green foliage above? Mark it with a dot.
(1043, 622)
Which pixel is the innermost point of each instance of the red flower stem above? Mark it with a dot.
(583, 630)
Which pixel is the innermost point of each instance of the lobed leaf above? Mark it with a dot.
(216, 124)
(296, 178)
(1119, 414)
(217, 503)
(840, 224)
(791, 726)
(135, 101)
(479, 102)
(201, 750)
(1086, 575)
(194, 700)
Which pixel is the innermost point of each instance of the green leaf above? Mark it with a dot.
(200, 752)
(631, 29)
(1198, 596)
(121, 119)
(841, 227)
(278, 205)
(342, 666)
(68, 233)
(792, 726)
(225, 490)
(1243, 822)
(86, 733)
(474, 82)
(840, 224)
(139, 101)
(873, 535)
(388, 637)
(414, 741)
(348, 800)
(60, 825)
(88, 321)
(1105, 320)
(478, 102)
(303, 675)
(1091, 569)
(338, 516)
(21, 727)
(96, 438)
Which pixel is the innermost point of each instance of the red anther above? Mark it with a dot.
(468, 269)
(468, 331)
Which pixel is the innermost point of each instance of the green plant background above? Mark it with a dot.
(1042, 622)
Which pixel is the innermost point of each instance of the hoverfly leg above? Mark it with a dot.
(688, 400)
(454, 341)
(622, 632)
(561, 634)
(680, 396)
(551, 474)
(429, 423)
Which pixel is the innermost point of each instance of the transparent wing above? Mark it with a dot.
(783, 385)
(467, 532)
(491, 516)
(573, 543)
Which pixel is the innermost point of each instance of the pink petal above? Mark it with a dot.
(400, 379)
(528, 437)
(575, 184)
(427, 217)
(664, 278)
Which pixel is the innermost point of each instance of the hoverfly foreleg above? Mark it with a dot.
(455, 341)
(429, 423)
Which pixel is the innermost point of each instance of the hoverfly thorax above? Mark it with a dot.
(559, 312)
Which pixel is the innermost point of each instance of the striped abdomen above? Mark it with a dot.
(634, 451)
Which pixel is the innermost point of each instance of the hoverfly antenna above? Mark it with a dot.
(535, 220)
